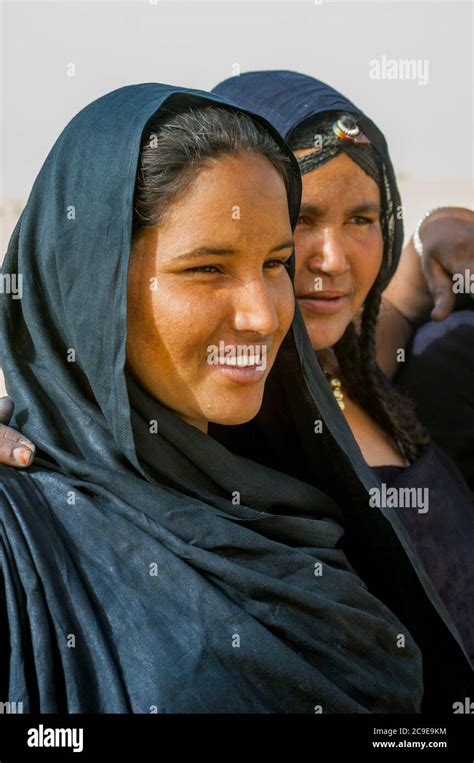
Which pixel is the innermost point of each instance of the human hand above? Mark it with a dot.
(15, 449)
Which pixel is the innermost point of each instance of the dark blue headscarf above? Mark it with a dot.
(125, 589)
(287, 99)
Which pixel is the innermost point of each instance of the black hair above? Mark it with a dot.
(180, 141)
(367, 384)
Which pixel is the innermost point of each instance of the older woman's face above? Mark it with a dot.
(339, 246)
(209, 298)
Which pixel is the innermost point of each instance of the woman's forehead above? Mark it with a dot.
(339, 174)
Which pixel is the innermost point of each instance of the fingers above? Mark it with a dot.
(15, 449)
(6, 409)
(441, 288)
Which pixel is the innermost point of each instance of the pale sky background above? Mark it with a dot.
(193, 43)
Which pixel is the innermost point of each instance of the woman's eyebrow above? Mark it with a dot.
(310, 209)
(223, 250)
(365, 206)
(284, 245)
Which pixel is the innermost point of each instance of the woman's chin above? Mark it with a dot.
(324, 337)
(238, 413)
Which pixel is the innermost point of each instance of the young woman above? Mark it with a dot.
(151, 562)
(348, 242)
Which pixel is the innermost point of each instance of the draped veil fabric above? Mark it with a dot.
(131, 578)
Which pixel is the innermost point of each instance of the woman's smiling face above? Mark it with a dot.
(212, 276)
(339, 246)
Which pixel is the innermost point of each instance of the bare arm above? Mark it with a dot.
(422, 287)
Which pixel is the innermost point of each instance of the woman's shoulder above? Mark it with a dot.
(435, 465)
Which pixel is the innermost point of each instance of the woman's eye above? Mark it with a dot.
(359, 220)
(203, 269)
(269, 264)
(275, 263)
(302, 220)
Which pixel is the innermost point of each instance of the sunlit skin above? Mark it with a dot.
(242, 295)
(339, 240)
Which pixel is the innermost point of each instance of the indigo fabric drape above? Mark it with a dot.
(131, 578)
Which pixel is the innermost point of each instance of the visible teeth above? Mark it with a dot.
(237, 362)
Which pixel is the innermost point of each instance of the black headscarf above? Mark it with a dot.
(300, 106)
(327, 136)
(132, 578)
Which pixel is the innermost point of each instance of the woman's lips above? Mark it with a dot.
(238, 362)
(242, 375)
(325, 303)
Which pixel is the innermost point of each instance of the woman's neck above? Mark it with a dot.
(327, 360)
(376, 446)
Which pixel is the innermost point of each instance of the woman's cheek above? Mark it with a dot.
(284, 301)
(187, 317)
(366, 265)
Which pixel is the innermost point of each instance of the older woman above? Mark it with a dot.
(441, 362)
(348, 243)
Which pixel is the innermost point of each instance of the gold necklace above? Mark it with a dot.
(336, 389)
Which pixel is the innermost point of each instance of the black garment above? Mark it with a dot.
(438, 375)
(442, 530)
(132, 576)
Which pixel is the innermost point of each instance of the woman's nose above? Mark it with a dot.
(327, 253)
(255, 309)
